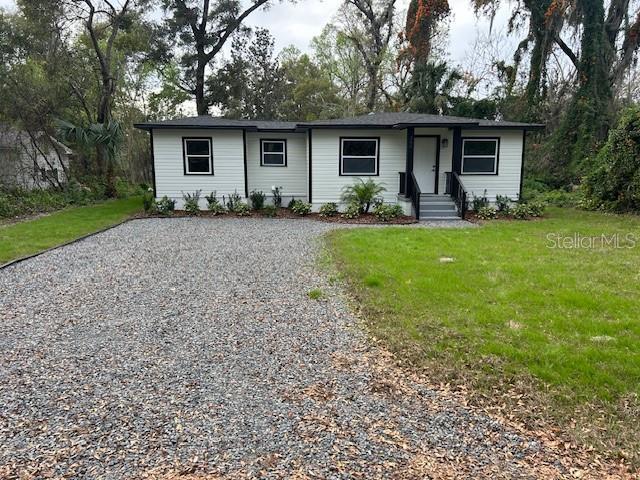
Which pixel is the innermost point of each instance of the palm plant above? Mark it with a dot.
(362, 193)
(105, 138)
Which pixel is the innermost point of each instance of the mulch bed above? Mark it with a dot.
(473, 218)
(364, 219)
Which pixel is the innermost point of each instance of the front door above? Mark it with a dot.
(425, 163)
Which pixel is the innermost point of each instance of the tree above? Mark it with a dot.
(430, 88)
(368, 24)
(201, 29)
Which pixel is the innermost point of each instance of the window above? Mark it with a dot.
(198, 159)
(359, 156)
(480, 155)
(273, 153)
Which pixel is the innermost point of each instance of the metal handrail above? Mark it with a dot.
(414, 193)
(455, 188)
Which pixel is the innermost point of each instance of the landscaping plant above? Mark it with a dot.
(362, 193)
(269, 211)
(234, 200)
(241, 209)
(385, 213)
(352, 211)
(257, 199)
(148, 200)
(213, 204)
(192, 202)
(503, 204)
(487, 213)
(329, 209)
(301, 208)
(277, 196)
(165, 206)
(478, 202)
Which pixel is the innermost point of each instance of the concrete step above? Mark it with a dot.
(435, 198)
(438, 206)
(437, 219)
(438, 213)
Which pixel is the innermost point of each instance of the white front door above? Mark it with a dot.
(425, 150)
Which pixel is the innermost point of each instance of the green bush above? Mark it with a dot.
(352, 211)
(524, 210)
(329, 209)
(301, 208)
(257, 199)
(241, 209)
(148, 200)
(503, 204)
(269, 211)
(233, 202)
(165, 206)
(192, 202)
(487, 213)
(214, 205)
(385, 212)
(362, 193)
(479, 202)
(292, 203)
(614, 183)
(277, 196)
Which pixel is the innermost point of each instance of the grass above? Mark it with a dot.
(315, 294)
(498, 310)
(32, 236)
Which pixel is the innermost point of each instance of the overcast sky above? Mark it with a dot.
(297, 23)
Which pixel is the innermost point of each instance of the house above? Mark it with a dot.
(432, 165)
(31, 160)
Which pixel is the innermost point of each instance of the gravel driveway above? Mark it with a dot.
(175, 347)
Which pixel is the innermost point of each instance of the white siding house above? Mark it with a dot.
(427, 163)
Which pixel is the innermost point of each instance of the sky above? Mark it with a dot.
(297, 23)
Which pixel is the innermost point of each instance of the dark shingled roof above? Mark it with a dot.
(372, 120)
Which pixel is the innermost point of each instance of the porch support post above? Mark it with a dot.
(457, 150)
(409, 164)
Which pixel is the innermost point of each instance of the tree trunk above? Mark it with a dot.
(202, 105)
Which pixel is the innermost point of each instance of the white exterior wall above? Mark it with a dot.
(507, 181)
(228, 164)
(293, 178)
(328, 184)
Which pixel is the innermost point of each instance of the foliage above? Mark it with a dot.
(385, 212)
(503, 204)
(269, 211)
(214, 205)
(524, 210)
(615, 183)
(292, 203)
(362, 193)
(257, 199)
(479, 202)
(315, 294)
(486, 213)
(234, 200)
(352, 211)
(301, 208)
(149, 200)
(328, 209)
(165, 206)
(277, 196)
(241, 209)
(192, 202)
(431, 88)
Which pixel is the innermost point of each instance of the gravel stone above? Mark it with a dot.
(190, 346)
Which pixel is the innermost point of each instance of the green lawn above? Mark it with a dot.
(509, 310)
(32, 236)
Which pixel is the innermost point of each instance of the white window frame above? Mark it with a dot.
(376, 156)
(495, 156)
(187, 156)
(283, 153)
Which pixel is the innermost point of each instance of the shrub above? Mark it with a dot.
(520, 211)
(292, 203)
(614, 182)
(233, 202)
(536, 209)
(362, 193)
(478, 202)
(503, 204)
(213, 204)
(269, 211)
(385, 212)
(301, 208)
(352, 211)
(165, 205)
(192, 202)
(257, 199)
(329, 209)
(486, 213)
(277, 196)
(148, 200)
(241, 209)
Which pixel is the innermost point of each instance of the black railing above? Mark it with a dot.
(414, 193)
(455, 188)
(403, 179)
